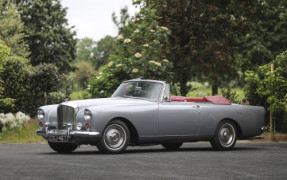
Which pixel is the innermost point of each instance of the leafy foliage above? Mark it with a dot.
(83, 72)
(103, 49)
(25, 88)
(140, 55)
(264, 31)
(11, 29)
(13, 76)
(263, 87)
(48, 35)
(230, 95)
(4, 55)
(85, 48)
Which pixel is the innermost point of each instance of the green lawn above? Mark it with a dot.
(200, 90)
(26, 134)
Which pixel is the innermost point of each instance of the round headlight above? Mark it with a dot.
(79, 126)
(87, 115)
(40, 114)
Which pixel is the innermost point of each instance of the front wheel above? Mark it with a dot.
(225, 136)
(63, 147)
(115, 138)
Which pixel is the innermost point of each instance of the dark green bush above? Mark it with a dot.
(270, 89)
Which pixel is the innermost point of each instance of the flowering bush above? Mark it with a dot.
(140, 55)
(10, 121)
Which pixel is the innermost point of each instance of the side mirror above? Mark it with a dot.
(165, 98)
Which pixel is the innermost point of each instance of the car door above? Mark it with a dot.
(179, 118)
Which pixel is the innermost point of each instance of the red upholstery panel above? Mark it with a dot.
(214, 99)
(218, 99)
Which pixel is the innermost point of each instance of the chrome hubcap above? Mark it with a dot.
(115, 137)
(226, 135)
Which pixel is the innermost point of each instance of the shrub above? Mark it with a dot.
(230, 95)
(264, 88)
(55, 97)
(11, 122)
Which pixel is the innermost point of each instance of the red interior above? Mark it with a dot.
(218, 99)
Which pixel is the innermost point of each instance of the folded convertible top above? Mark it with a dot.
(218, 99)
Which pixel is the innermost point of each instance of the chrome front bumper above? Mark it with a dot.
(78, 137)
(43, 133)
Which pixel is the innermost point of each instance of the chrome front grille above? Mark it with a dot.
(66, 114)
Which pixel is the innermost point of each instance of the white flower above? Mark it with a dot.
(157, 63)
(10, 117)
(118, 65)
(138, 55)
(135, 70)
(100, 73)
(127, 41)
(152, 30)
(145, 45)
(13, 125)
(165, 60)
(22, 118)
(110, 63)
(151, 61)
(102, 92)
(164, 28)
(2, 118)
(137, 31)
(120, 37)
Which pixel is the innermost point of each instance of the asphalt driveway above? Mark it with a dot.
(192, 161)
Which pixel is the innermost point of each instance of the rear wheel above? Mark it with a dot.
(172, 146)
(63, 147)
(115, 138)
(225, 136)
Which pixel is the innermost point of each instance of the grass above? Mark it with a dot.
(200, 90)
(80, 94)
(26, 134)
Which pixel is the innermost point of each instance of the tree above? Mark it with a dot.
(270, 89)
(264, 32)
(103, 49)
(12, 29)
(140, 55)
(200, 45)
(96, 53)
(123, 24)
(85, 47)
(48, 35)
(14, 72)
(5, 102)
(83, 73)
(213, 40)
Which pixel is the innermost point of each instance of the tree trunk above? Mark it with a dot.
(183, 87)
(214, 90)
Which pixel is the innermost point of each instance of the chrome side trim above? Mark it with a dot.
(76, 133)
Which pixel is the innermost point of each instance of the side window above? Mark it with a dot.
(166, 95)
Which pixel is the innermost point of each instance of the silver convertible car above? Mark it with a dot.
(142, 112)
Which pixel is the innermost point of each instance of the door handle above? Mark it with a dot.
(196, 106)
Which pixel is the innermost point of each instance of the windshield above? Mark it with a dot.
(143, 90)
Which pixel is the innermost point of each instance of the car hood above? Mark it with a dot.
(107, 101)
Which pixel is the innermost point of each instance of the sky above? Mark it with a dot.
(93, 18)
